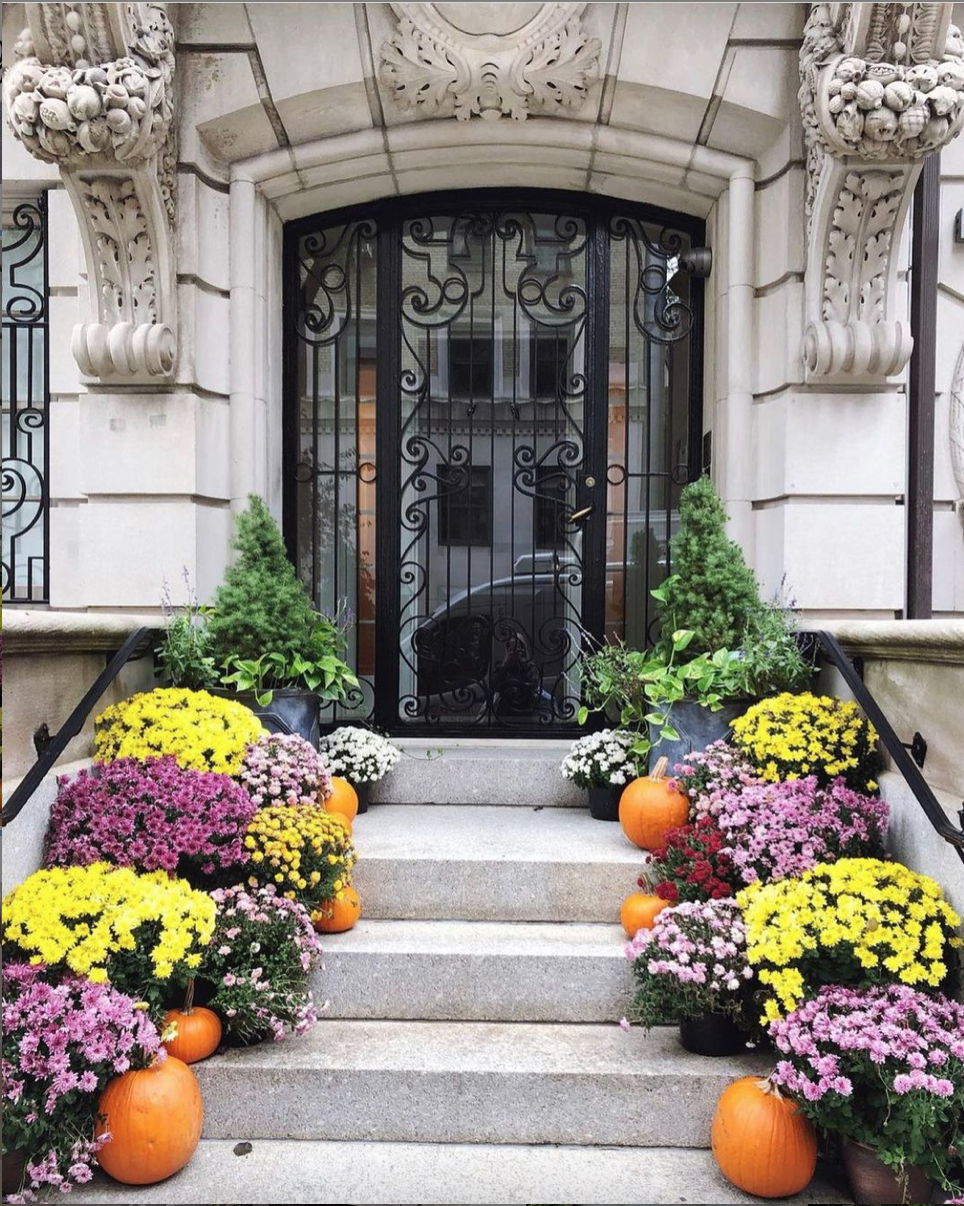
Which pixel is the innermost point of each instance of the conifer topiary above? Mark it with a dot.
(261, 607)
(713, 592)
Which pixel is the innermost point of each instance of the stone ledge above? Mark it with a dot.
(933, 641)
(35, 631)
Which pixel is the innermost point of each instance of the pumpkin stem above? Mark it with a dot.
(770, 1089)
(188, 1006)
(659, 770)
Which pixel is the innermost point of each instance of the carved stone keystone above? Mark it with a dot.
(92, 91)
(882, 85)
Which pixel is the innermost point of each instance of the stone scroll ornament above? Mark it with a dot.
(882, 85)
(489, 60)
(92, 91)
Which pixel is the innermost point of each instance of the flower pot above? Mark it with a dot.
(291, 711)
(364, 793)
(711, 1034)
(604, 803)
(697, 726)
(14, 1163)
(874, 1184)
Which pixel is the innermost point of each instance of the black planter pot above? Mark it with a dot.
(697, 726)
(364, 793)
(14, 1164)
(711, 1034)
(291, 711)
(604, 803)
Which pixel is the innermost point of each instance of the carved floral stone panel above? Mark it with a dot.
(489, 60)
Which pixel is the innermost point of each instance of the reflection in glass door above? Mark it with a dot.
(512, 386)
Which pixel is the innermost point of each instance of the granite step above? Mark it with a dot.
(477, 971)
(318, 1171)
(492, 863)
(478, 770)
(470, 1082)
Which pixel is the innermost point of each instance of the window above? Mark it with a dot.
(471, 363)
(551, 506)
(465, 505)
(547, 361)
(24, 436)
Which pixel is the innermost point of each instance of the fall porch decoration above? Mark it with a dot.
(761, 1141)
(198, 1030)
(651, 806)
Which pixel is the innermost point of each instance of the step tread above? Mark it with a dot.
(484, 1048)
(491, 833)
(366, 1172)
(480, 939)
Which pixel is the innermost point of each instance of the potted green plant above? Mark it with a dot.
(262, 638)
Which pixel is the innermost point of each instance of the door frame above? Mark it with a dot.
(389, 214)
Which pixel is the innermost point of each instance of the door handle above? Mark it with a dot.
(581, 514)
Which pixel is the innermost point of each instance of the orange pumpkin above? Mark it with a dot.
(649, 808)
(198, 1033)
(154, 1120)
(639, 912)
(761, 1141)
(343, 798)
(336, 916)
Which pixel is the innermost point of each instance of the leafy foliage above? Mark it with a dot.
(184, 655)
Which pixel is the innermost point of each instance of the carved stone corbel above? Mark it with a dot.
(882, 85)
(92, 91)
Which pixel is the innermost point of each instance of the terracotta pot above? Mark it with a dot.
(711, 1034)
(872, 1183)
(604, 803)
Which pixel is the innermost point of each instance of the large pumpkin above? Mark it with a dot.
(154, 1120)
(761, 1141)
(343, 798)
(336, 916)
(649, 808)
(639, 911)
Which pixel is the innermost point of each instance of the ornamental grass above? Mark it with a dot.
(792, 736)
(63, 1040)
(856, 922)
(202, 732)
(144, 933)
(306, 852)
(152, 815)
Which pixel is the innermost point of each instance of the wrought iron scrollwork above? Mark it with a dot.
(26, 494)
(658, 312)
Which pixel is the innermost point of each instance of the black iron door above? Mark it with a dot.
(505, 382)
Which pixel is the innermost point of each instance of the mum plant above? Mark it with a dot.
(150, 815)
(305, 852)
(691, 963)
(284, 769)
(259, 960)
(142, 933)
(200, 731)
(776, 830)
(63, 1040)
(879, 1066)
(602, 759)
(791, 736)
(693, 865)
(708, 776)
(855, 922)
(359, 755)
(262, 627)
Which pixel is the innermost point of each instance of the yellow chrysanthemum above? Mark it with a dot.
(302, 846)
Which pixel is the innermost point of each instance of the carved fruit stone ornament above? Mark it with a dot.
(882, 85)
(489, 60)
(92, 91)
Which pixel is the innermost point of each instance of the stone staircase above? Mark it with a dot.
(470, 1052)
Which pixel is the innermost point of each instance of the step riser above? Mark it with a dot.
(457, 987)
(576, 1108)
(501, 777)
(493, 891)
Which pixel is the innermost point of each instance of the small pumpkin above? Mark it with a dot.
(154, 1119)
(338, 915)
(343, 798)
(639, 911)
(761, 1141)
(198, 1030)
(649, 808)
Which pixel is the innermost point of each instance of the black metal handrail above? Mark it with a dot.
(136, 645)
(898, 752)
